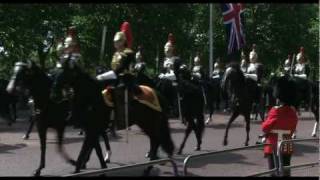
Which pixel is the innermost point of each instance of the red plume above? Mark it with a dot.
(171, 38)
(125, 27)
(72, 31)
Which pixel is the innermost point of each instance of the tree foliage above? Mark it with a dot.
(277, 29)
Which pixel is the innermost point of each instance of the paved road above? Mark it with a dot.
(20, 157)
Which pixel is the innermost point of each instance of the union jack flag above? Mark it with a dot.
(232, 19)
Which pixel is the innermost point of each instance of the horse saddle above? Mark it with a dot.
(147, 97)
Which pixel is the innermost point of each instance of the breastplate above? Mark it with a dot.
(168, 63)
(252, 69)
(116, 60)
(300, 69)
(196, 69)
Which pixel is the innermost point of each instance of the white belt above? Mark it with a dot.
(280, 136)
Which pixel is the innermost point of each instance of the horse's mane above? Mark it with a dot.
(236, 67)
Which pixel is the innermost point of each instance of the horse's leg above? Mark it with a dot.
(42, 132)
(148, 153)
(190, 127)
(61, 150)
(83, 155)
(247, 119)
(234, 115)
(99, 152)
(210, 106)
(31, 120)
(315, 110)
(154, 144)
(315, 128)
(199, 131)
(108, 148)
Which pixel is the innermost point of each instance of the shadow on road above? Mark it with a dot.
(6, 148)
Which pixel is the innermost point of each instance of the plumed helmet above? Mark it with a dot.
(287, 62)
(216, 65)
(253, 56)
(120, 36)
(59, 46)
(126, 29)
(243, 56)
(170, 41)
(196, 59)
(300, 54)
(243, 62)
(70, 42)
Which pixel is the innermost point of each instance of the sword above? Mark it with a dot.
(126, 113)
(292, 62)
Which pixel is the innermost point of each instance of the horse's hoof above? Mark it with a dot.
(225, 142)
(314, 135)
(208, 121)
(72, 162)
(179, 152)
(84, 167)
(294, 136)
(246, 144)
(147, 155)
(107, 161)
(198, 148)
(80, 133)
(25, 137)
(36, 173)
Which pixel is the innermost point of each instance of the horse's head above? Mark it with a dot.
(233, 77)
(65, 77)
(22, 76)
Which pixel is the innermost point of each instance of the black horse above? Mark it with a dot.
(192, 103)
(47, 113)
(213, 94)
(7, 103)
(92, 112)
(242, 93)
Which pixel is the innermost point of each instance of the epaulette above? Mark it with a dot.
(276, 107)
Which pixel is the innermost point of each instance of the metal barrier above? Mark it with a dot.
(281, 167)
(305, 166)
(269, 172)
(127, 167)
(190, 157)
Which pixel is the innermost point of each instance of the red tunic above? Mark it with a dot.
(279, 118)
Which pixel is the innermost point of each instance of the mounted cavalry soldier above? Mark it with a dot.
(255, 72)
(171, 62)
(197, 70)
(287, 66)
(252, 71)
(140, 65)
(301, 69)
(170, 72)
(121, 65)
(244, 63)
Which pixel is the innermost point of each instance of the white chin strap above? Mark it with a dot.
(107, 76)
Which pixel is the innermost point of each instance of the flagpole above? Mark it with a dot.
(210, 43)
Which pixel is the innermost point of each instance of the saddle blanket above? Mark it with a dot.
(148, 97)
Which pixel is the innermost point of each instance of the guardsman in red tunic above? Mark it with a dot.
(281, 123)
